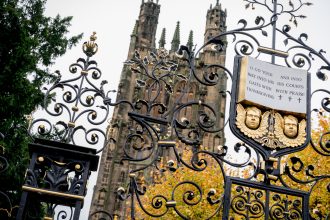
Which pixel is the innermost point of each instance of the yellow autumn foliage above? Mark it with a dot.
(180, 183)
(320, 196)
(183, 184)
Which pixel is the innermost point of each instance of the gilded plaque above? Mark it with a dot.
(271, 105)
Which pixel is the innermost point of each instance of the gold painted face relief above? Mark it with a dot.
(251, 122)
(290, 128)
(270, 128)
(252, 119)
(289, 131)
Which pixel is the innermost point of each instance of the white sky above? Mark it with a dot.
(114, 21)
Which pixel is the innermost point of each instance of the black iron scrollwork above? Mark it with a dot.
(55, 175)
(76, 100)
(248, 203)
(154, 129)
(284, 208)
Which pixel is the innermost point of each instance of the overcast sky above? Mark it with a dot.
(114, 21)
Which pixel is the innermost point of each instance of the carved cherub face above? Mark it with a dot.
(252, 119)
(290, 127)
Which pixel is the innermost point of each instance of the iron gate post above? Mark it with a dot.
(58, 175)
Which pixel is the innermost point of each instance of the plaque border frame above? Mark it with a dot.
(266, 153)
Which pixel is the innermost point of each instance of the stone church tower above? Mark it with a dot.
(113, 173)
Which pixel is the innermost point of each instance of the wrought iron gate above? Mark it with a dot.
(268, 189)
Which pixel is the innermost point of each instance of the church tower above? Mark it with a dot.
(113, 172)
(144, 33)
(215, 95)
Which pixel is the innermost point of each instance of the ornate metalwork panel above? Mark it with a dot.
(270, 113)
(252, 200)
(171, 174)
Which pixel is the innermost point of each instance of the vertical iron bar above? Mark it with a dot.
(79, 204)
(305, 207)
(132, 190)
(22, 206)
(227, 201)
(267, 205)
(274, 29)
(248, 202)
(21, 214)
(77, 210)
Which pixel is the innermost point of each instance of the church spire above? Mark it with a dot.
(135, 29)
(217, 3)
(162, 41)
(176, 38)
(190, 42)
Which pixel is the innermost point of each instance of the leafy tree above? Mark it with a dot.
(29, 42)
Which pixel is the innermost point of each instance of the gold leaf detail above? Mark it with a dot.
(290, 142)
(252, 133)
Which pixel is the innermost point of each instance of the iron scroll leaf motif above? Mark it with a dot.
(256, 200)
(269, 130)
(69, 101)
(6, 206)
(269, 139)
